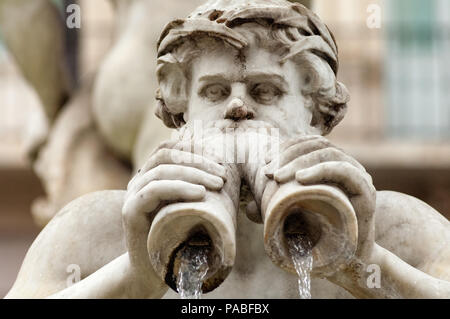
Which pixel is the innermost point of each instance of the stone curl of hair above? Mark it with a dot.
(324, 95)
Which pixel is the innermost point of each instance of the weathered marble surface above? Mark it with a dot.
(221, 69)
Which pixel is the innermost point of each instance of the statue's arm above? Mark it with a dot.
(105, 233)
(415, 232)
(88, 234)
(398, 279)
(114, 280)
(407, 239)
(412, 251)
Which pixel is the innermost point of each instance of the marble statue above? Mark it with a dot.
(232, 75)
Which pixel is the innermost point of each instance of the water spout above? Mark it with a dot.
(300, 249)
(322, 213)
(193, 269)
(171, 246)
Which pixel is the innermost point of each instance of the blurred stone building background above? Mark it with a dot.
(398, 122)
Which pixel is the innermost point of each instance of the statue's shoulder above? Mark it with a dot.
(411, 229)
(88, 226)
(106, 202)
(84, 223)
(90, 217)
(405, 206)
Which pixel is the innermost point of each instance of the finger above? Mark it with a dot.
(177, 172)
(353, 181)
(298, 150)
(196, 147)
(260, 184)
(132, 180)
(150, 197)
(287, 172)
(285, 145)
(295, 151)
(170, 156)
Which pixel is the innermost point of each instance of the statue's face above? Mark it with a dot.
(255, 87)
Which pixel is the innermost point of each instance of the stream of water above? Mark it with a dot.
(192, 272)
(301, 254)
(194, 267)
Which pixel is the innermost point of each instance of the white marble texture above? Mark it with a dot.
(278, 70)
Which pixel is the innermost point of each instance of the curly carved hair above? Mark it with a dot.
(311, 46)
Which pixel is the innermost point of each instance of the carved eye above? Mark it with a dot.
(215, 92)
(265, 93)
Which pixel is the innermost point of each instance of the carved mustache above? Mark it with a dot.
(201, 129)
(242, 125)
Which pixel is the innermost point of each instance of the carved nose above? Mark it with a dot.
(237, 110)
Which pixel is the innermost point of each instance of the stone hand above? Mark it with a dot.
(314, 160)
(169, 176)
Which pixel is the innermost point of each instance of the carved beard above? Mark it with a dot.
(284, 133)
(232, 142)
